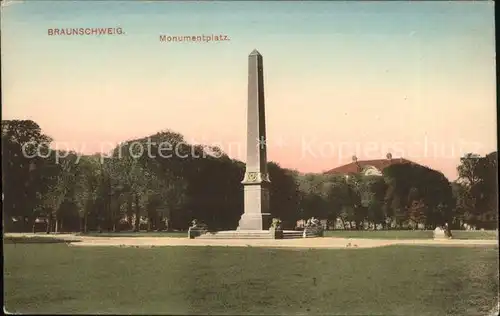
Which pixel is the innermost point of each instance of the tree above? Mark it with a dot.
(151, 184)
(332, 197)
(476, 190)
(22, 184)
(88, 179)
(413, 187)
(59, 174)
(469, 170)
(372, 198)
(334, 201)
(416, 207)
(355, 210)
(312, 201)
(182, 181)
(284, 195)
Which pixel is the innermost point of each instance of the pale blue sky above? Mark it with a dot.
(359, 72)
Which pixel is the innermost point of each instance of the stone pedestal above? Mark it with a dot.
(256, 202)
(260, 221)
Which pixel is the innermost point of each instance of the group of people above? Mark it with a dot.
(312, 222)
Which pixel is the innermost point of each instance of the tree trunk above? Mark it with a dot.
(159, 224)
(85, 222)
(112, 216)
(137, 214)
(113, 219)
(49, 223)
(129, 210)
(57, 225)
(112, 223)
(31, 223)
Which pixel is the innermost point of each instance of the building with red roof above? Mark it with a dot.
(368, 167)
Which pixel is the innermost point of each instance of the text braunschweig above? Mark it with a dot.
(82, 31)
(194, 38)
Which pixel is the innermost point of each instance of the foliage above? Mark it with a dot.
(164, 190)
(476, 191)
(23, 182)
(417, 194)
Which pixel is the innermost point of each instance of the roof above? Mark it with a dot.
(357, 166)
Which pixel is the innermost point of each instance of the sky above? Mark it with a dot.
(416, 79)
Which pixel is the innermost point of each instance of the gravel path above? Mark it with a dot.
(324, 242)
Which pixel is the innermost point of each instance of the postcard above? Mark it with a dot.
(249, 157)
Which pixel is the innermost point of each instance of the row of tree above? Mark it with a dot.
(129, 190)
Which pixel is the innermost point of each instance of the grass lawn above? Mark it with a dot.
(409, 234)
(411, 280)
(378, 234)
(137, 234)
(474, 234)
(33, 240)
(381, 234)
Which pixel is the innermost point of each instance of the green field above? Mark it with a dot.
(476, 234)
(378, 234)
(411, 280)
(138, 234)
(409, 234)
(33, 240)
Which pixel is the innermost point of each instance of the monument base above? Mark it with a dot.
(257, 221)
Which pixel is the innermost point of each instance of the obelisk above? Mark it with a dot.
(256, 214)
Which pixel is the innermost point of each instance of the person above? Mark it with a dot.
(447, 230)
